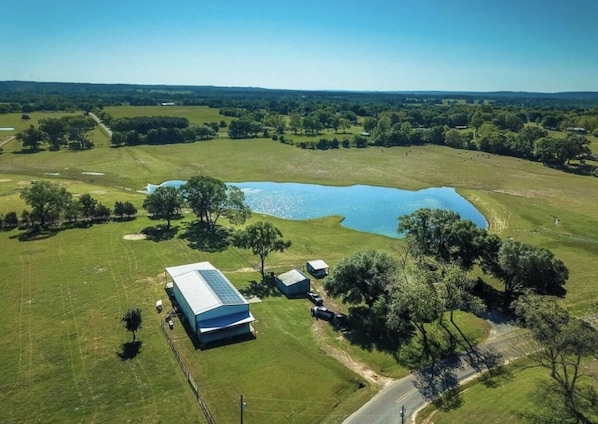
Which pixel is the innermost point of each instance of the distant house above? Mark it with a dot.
(293, 283)
(577, 130)
(167, 104)
(318, 268)
(460, 127)
(213, 307)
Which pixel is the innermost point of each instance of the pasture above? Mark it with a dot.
(63, 296)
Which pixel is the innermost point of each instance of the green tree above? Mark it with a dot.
(163, 203)
(443, 235)
(210, 198)
(521, 266)
(276, 121)
(132, 321)
(102, 212)
(11, 220)
(124, 208)
(564, 342)
(46, 200)
(129, 209)
(31, 138)
(56, 131)
(362, 277)
(344, 124)
(369, 123)
(87, 205)
(262, 238)
(295, 122)
(415, 299)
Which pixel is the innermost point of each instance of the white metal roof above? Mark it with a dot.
(291, 277)
(318, 264)
(204, 287)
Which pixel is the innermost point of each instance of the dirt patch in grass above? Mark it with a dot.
(497, 222)
(344, 358)
(134, 237)
(247, 269)
(5, 180)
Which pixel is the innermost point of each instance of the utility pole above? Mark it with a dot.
(402, 414)
(242, 405)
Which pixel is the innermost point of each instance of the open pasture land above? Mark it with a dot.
(63, 296)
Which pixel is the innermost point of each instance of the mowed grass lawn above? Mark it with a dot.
(63, 296)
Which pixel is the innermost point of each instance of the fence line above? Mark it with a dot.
(202, 403)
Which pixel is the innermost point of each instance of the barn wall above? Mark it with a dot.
(184, 307)
(225, 334)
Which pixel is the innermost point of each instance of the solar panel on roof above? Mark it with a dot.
(221, 286)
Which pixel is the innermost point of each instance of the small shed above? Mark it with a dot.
(318, 268)
(293, 283)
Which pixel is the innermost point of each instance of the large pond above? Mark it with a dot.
(364, 208)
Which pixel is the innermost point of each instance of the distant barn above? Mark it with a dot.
(213, 307)
(293, 283)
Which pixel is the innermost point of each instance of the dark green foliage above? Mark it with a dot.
(564, 341)
(126, 208)
(132, 320)
(262, 238)
(521, 266)
(87, 206)
(362, 277)
(10, 220)
(102, 212)
(164, 203)
(31, 138)
(210, 198)
(444, 236)
(142, 124)
(47, 201)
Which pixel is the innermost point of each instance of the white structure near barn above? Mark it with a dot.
(318, 268)
(209, 302)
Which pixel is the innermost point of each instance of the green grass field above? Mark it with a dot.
(64, 295)
(504, 401)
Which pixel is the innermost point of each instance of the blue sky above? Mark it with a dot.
(477, 45)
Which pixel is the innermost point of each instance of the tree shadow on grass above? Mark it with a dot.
(36, 233)
(160, 232)
(369, 333)
(129, 350)
(492, 298)
(200, 237)
(263, 289)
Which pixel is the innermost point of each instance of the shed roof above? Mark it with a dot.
(291, 277)
(318, 264)
(204, 287)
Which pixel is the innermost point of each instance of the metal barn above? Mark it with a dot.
(212, 306)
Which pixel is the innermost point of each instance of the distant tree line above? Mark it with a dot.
(157, 130)
(56, 133)
(51, 204)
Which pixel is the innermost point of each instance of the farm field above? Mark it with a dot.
(63, 296)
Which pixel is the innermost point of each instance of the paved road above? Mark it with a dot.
(101, 124)
(416, 390)
(8, 140)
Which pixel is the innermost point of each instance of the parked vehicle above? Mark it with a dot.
(315, 298)
(321, 312)
(340, 323)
